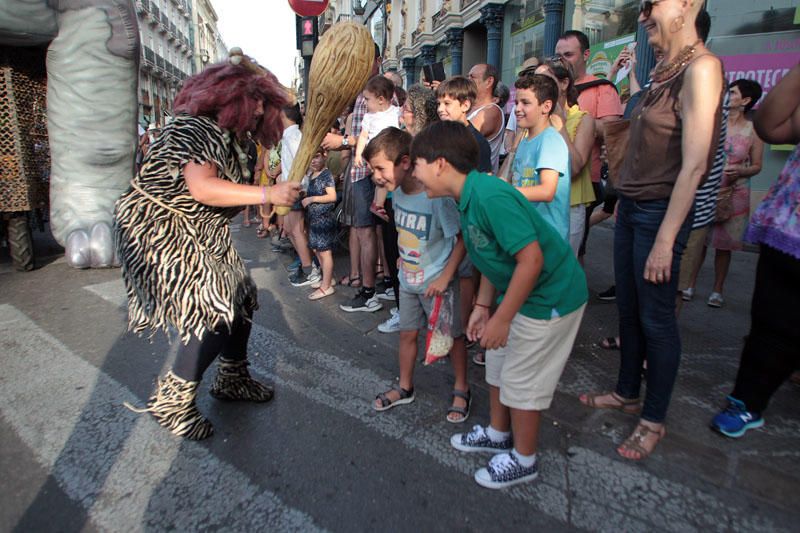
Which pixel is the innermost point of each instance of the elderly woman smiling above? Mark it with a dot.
(672, 132)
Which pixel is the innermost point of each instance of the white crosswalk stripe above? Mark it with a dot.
(112, 461)
(594, 489)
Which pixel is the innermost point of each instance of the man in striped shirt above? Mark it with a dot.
(705, 199)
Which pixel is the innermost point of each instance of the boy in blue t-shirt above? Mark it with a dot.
(541, 167)
(431, 248)
(541, 296)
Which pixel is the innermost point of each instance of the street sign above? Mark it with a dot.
(308, 8)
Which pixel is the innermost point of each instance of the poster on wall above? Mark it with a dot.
(766, 69)
(602, 56)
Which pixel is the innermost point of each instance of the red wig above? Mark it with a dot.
(230, 94)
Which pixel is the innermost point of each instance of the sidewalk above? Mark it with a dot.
(758, 474)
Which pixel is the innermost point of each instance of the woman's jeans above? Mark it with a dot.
(648, 328)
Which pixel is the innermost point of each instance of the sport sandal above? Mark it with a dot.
(406, 396)
(463, 411)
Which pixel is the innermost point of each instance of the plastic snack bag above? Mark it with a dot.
(439, 339)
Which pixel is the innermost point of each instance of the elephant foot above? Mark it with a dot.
(94, 249)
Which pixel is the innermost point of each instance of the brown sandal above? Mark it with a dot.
(636, 439)
(630, 407)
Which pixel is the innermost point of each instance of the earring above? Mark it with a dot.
(676, 26)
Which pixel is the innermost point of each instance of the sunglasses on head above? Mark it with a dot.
(646, 7)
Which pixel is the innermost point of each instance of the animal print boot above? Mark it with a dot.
(233, 382)
(173, 406)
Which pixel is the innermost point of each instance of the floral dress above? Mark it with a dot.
(321, 219)
(728, 235)
(178, 261)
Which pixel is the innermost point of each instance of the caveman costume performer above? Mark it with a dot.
(179, 264)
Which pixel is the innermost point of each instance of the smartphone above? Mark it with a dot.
(434, 72)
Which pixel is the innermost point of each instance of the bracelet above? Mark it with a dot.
(481, 305)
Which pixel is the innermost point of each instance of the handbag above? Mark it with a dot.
(724, 209)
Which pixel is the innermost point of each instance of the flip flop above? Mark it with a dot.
(609, 343)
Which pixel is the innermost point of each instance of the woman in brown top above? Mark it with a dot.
(673, 130)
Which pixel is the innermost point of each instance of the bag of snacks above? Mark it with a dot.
(439, 339)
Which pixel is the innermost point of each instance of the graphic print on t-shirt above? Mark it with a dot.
(413, 231)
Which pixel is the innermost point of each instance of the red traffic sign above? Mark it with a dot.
(308, 8)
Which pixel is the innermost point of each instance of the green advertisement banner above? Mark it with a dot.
(602, 56)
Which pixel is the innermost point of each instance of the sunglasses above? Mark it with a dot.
(646, 7)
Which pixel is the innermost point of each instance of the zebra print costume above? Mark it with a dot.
(178, 261)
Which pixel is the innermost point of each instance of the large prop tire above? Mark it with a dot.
(20, 243)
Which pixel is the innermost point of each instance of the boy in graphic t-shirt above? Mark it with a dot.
(431, 248)
(530, 272)
(541, 169)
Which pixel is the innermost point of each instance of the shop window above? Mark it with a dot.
(745, 17)
(605, 20)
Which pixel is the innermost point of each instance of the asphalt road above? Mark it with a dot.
(319, 458)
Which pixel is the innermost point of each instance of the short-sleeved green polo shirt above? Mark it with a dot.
(496, 223)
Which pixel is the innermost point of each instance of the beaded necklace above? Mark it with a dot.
(664, 72)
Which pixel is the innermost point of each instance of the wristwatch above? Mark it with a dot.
(345, 141)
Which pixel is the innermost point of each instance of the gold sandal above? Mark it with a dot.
(630, 407)
(635, 441)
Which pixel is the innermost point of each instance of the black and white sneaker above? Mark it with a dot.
(504, 470)
(478, 440)
(362, 302)
(384, 292)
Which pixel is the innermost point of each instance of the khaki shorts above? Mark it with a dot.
(527, 370)
(692, 255)
(415, 310)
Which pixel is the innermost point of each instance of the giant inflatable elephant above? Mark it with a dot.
(92, 71)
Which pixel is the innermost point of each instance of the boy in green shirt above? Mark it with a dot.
(541, 295)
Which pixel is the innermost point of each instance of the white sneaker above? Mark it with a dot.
(715, 300)
(392, 325)
(314, 276)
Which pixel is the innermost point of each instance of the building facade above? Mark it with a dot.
(165, 28)
(755, 40)
(208, 44)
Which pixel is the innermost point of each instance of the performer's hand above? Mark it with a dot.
(285, 193)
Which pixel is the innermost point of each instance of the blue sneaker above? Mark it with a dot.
(294, 265)
(735, 420)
